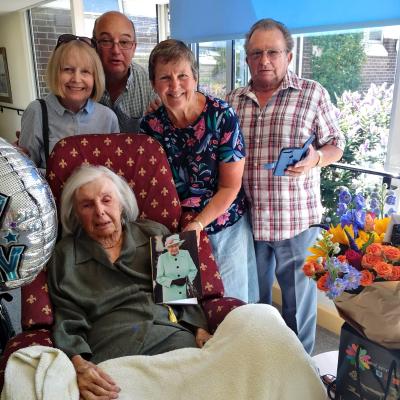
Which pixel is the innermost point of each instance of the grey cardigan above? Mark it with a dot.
(105, 310)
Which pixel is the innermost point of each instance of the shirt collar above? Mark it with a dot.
(87, 248)
(129, 81)
(54, 103)
(290, 80)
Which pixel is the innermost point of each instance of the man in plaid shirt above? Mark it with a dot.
(128, 90)
(278, 109)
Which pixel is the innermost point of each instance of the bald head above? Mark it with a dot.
(111, 17)
(115, 27)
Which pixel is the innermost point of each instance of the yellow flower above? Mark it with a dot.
(363, 238)
(381, 226)
(316, 252)
(339, 235)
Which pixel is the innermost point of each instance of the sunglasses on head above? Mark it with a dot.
(68, 37)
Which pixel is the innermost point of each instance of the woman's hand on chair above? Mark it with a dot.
(93, 382)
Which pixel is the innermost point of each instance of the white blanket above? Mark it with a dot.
(252, 356)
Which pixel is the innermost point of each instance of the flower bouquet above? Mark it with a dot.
(353, 265)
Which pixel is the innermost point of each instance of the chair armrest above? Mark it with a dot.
(41, 337)
(217, 309)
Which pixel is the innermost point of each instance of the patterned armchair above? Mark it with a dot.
(142, 162)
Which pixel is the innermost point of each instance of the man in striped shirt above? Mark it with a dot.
(128, 89)
(277, 109)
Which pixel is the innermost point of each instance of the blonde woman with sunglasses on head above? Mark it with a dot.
(75, 78)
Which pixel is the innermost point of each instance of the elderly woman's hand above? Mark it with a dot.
(93, 383)
(201, 337)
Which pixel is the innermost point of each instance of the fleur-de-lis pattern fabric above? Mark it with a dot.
(138, 158)
(141, 160)
(36, 307)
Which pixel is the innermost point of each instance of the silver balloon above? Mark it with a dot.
(28, 219)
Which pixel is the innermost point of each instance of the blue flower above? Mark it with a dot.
(391, 211)
(336, 288)
(391, 200)
(347, 219)
(353, 278)
(374, 203)
(359, 219)
(342, 208)
(344, 196)
(359, 201)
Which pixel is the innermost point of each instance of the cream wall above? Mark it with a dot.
(14, 36)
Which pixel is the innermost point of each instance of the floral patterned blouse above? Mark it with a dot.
(194, 153)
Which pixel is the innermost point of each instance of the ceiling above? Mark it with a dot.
(7, 6)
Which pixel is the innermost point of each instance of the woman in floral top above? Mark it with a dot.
(205, 149)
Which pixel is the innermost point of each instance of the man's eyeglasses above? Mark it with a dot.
(68, 37)
(108, 44)
(272, 54)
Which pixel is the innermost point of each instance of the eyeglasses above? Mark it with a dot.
(272, 54)
(68, 37)
(108, 44)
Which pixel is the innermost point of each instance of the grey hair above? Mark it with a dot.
(268, 24)
(86, 174)
(171, 50)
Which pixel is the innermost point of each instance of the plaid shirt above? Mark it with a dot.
(132, 103)
(284, 206)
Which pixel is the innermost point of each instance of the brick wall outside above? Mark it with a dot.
(49, 23)
(380, 69)
(375, 69)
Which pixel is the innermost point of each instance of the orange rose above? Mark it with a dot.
(309, 268)
(367, 278)
(395, 274)
(369, 260)
(374, 248)
(321, 283)
(391, 253)
(383, 269)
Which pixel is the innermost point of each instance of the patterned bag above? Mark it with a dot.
(366, 370)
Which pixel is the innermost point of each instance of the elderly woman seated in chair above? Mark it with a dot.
(100, 284)
(100, 281)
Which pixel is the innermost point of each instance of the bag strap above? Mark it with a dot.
(45, 125)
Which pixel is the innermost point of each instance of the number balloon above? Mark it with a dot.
(28, 219)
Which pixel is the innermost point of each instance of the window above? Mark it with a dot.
(361, 85)
(55, 18)
(47, 23)
(212, 61)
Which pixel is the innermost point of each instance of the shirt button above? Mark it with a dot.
(178, 275)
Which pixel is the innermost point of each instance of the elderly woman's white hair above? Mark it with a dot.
(84, 175)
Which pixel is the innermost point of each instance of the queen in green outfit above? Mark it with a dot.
(174, 269)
